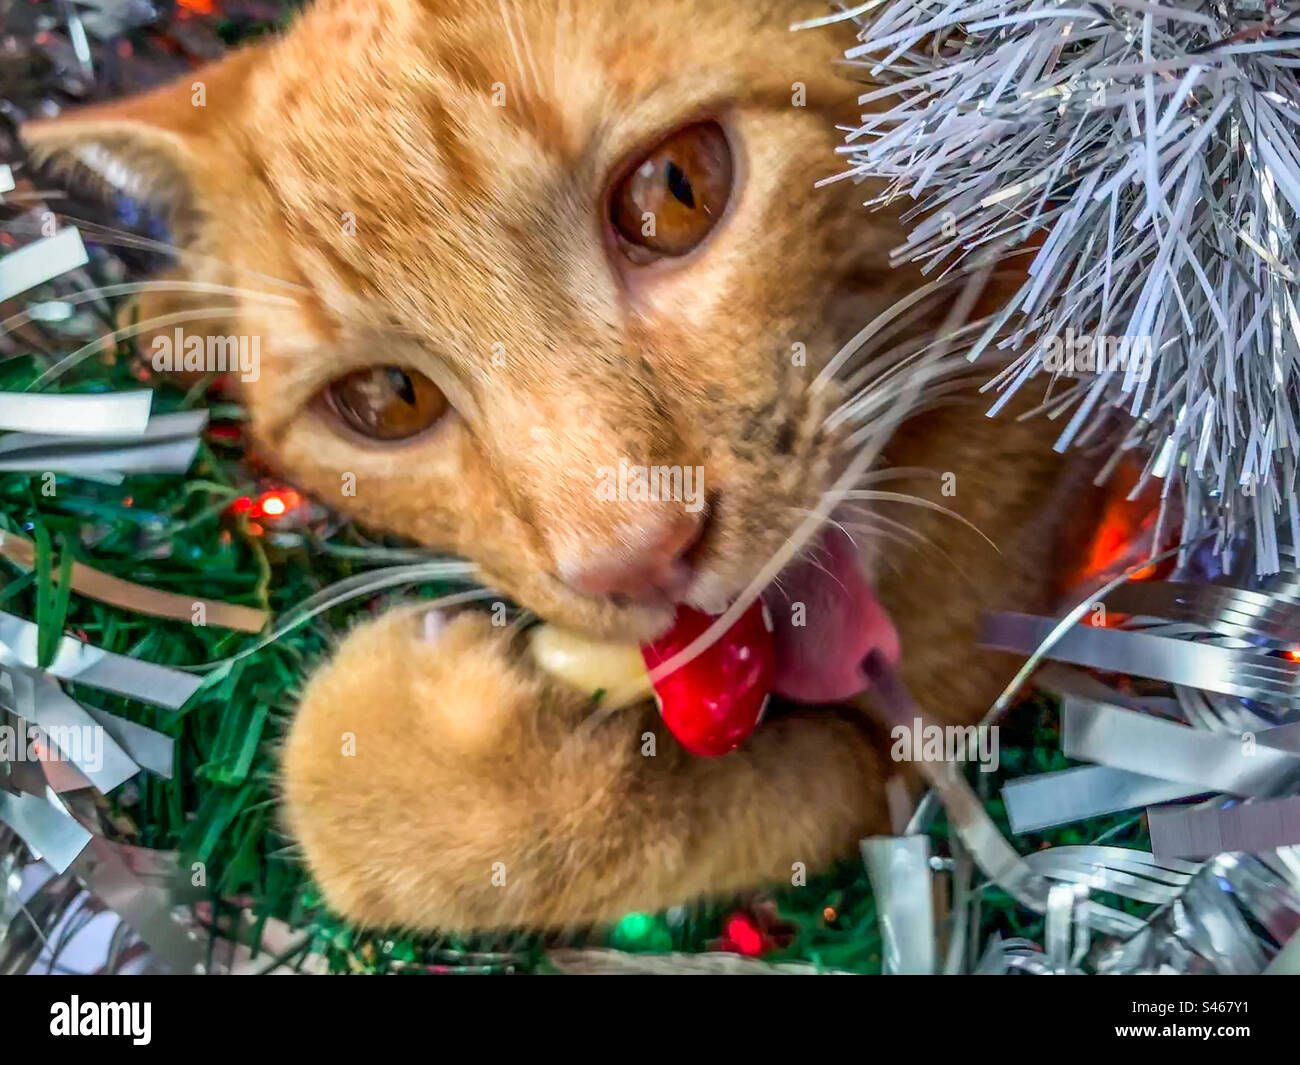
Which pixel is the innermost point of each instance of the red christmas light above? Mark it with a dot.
(743, 935)
(271, 504)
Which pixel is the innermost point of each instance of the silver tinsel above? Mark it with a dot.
(1141, 160)
(1213, 760)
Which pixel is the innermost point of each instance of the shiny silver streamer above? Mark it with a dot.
(44, 705)
(1004, 956)
(1140, 743)
(1201, 931)
(1180, 832)
(1066, 937)
(1220, 870)
(1029, 881)
(46, 827)
(1150, 152)
(39, 262)
(84, 664)
(146, 905)
(1051, 799)
(112, 416)
(147, 747)
(899, 867)
(107, 19)
(1246, 672)
(33, 696)
(1287, 961)
(167, 443)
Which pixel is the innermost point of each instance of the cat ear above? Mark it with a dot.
(159, 147)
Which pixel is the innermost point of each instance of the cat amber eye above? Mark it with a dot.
(672, 198)
(386, 402)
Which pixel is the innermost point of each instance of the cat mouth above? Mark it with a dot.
(827, 619)
(805, 640)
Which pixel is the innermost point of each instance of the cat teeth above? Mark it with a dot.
(435, 624)
(616, 670)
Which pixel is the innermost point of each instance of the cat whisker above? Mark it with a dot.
(816, 548)
(35, 195)
(125, 332)
(865, 385)
(866, 403)
(527, 45)
(521, 48)
(895, 473)
(829, 521)
(910, 537)
(558, 40)
(974, 277)
(869, 356)
(879, 524)
(877, 530)
(908, 499)
(122, 238)
(792, 548)
(130, 288)
(937, 394)
(862, 337)
(923, 384)
(904, 354)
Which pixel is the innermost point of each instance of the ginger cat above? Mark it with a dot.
(490, 246)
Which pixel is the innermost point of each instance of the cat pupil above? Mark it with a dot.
(401, 384)
(679, 185)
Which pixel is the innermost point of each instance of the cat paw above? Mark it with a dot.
(436, 779)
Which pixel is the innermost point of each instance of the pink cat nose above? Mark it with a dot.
(652, 562)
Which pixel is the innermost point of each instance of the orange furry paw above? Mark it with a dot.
(445, 782)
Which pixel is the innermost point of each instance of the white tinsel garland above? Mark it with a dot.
(1149, 151)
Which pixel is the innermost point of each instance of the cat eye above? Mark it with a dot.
(670, 200)
(386, 402)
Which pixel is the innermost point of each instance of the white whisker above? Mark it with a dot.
(519, 47)
(978, 271)
(920, 501)
(130, 288)
(114, 237)
(125, 332)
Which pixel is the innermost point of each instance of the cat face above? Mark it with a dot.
(510, 264)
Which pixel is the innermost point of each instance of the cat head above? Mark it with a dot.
(545, 285)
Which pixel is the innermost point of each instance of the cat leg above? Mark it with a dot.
(439, 780)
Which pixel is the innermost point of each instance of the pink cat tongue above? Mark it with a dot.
(819, 649)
